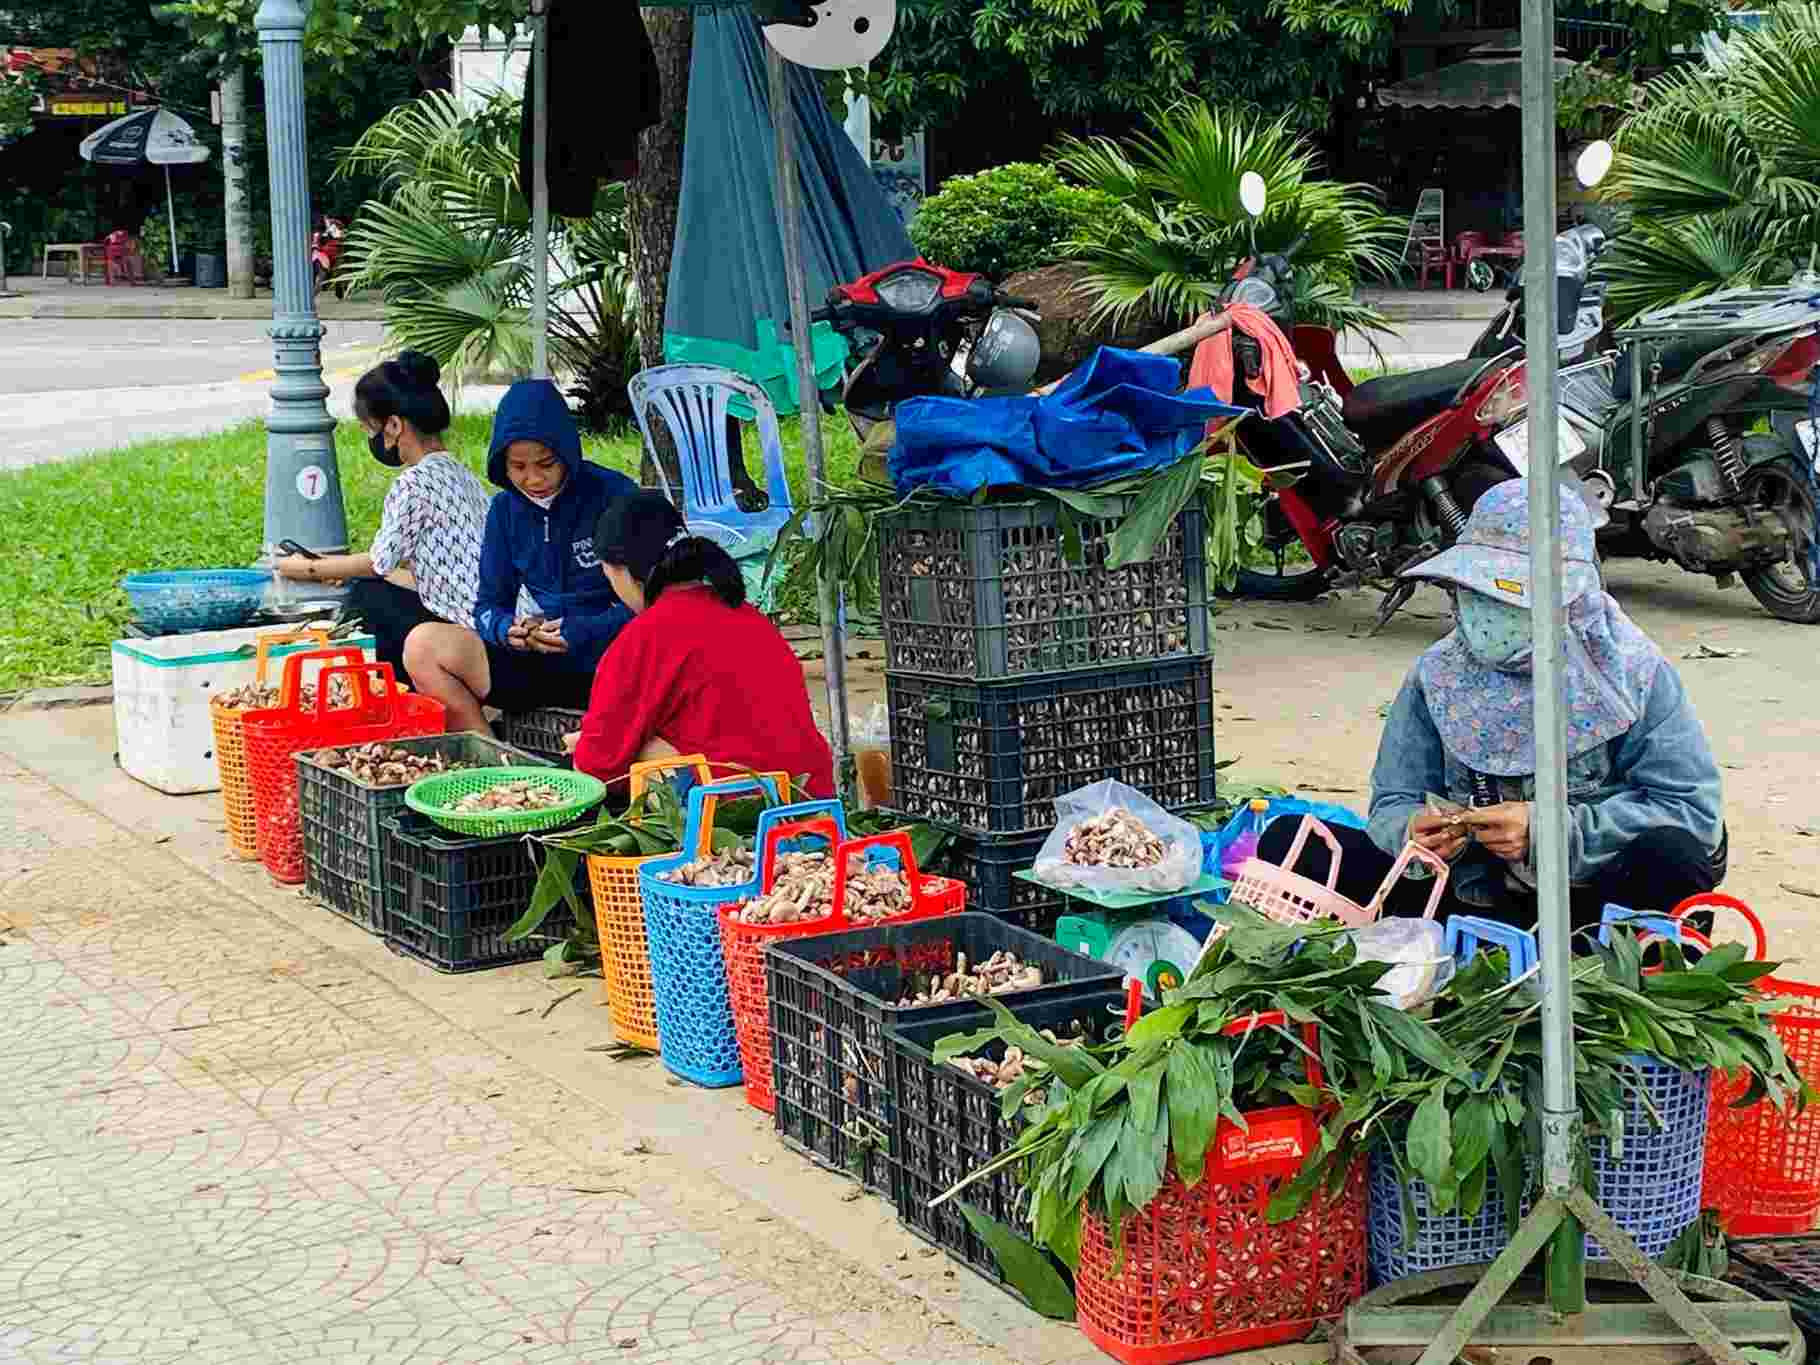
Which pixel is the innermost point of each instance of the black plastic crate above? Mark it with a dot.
(833, 1000)
(1785, 1268)
(449, 899)
(986, 865)
(948, 1124)
(991, 758)
(987, 593)
(540, 732)
(344, 822)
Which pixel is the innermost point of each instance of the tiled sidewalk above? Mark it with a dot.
(221, 1141)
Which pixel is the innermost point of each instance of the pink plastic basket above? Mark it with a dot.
(1290, 898)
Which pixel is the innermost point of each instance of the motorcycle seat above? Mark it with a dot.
(1676, 360)
(1381, 410)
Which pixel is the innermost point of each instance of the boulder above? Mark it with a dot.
(1068, 334)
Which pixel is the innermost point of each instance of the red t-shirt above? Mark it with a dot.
(710, 679)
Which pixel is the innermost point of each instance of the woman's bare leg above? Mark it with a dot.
(449, 663)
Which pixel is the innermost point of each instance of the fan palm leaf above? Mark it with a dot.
(1181, 227)
(1722, 171)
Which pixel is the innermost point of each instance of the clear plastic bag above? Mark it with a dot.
(1179, 869)
(1417, 948)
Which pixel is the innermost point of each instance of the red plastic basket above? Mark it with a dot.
(743, 945)
(1762, 1165)
(274, 735)
(1204, 1271)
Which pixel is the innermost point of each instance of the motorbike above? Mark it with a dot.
(918, 330)
(325, 250)
(1367, 480)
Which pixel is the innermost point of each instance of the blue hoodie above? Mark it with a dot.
(549, 552)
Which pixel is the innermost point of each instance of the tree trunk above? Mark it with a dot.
(655, 197)
(238, 190)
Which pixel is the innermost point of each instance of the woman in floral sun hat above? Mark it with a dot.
(1646, 827)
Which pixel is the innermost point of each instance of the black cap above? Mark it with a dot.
(634, 531)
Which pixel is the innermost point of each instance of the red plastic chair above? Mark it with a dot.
(1437, 254)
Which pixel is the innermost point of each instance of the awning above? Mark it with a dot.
(1491, 77)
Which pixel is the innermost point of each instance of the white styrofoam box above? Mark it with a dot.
(161, 699)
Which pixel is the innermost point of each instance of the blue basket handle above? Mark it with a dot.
(697, 827)
(1466, 934)
(1666, 926)
(802, 813)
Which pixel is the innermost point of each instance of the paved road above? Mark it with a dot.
(68, 387)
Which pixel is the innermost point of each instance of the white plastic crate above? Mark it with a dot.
(162, 687)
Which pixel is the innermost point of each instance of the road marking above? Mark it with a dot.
(332, 376)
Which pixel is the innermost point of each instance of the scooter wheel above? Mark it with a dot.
(1303, 586)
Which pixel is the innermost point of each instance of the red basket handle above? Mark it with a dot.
(1720, 901)
(1311, 1058)
(1301, 839)
(364, 698)
(1412, 853)
(291, 687)
(929, 896)
(823, 825)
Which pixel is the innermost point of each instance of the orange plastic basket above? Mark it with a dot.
(275, 735)
(1290, 898)
(743, 945)
(619, 918)
(230, 748)
(1762, 1165)
(1205, 1272)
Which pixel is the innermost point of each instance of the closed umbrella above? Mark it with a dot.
(152, 137)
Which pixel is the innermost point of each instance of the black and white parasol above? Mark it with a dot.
(152, 137)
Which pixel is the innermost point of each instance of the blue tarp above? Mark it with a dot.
(1117, 415)
(727, 303)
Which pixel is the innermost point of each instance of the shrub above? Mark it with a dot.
(1011, 218)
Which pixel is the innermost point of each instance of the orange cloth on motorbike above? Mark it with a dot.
(1279, 382)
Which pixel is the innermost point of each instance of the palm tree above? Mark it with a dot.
(1721, 171)
(448, 243)
(1180, 229)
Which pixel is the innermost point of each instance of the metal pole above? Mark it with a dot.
(1548, 821)
(302, 482)
(808, 391)
(170, 218)
(540, 189)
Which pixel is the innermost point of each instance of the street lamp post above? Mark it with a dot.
(302, 484)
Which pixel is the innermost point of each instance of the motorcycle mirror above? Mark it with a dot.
(1593, 164)
(1253, 194)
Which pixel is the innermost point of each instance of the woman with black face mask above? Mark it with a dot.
(424, 564)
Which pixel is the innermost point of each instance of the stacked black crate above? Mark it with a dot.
(1019, 667)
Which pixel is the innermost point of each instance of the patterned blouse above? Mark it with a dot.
(435, 515)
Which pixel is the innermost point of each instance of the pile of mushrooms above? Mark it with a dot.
(525, 794)
(999, 974)
(803, 889)
(387, 765)
(1116, 838)
(264, 696)
(728, 867)
(1000, 1075)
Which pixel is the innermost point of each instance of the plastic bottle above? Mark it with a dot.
(1245, 846)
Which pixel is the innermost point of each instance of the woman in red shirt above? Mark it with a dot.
(697, 671)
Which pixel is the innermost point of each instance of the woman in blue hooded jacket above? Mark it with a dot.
(545, 614)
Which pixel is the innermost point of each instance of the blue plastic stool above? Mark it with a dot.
(1467, 934)
(695, 1033)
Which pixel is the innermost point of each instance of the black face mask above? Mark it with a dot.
(386, 456)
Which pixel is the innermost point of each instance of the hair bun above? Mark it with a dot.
(418, 370)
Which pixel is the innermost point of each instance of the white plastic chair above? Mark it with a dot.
(693, 401)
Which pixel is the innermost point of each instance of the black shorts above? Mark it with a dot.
(523, 681)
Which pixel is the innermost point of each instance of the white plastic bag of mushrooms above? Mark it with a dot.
(1112, 838)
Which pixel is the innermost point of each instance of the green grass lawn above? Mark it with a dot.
(72, 531)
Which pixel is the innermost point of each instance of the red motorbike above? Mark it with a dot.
(1365, 480)
(325, 251)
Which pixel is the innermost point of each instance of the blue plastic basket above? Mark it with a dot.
(196, 599)
(695, 1033)
(1437, 1241)
(1654, 1192)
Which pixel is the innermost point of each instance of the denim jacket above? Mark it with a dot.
(1660, 772)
